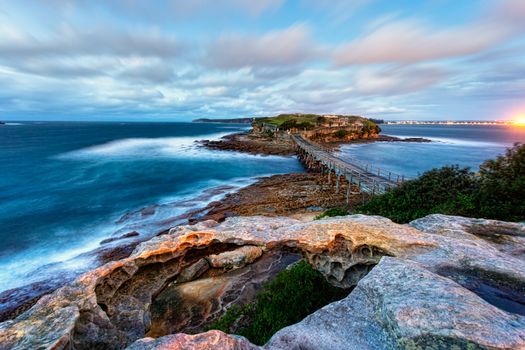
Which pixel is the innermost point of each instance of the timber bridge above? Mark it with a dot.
(368, 178)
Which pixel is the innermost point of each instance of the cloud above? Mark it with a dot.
(156, 72)
(338, 11)
(512, 11)
(100, 41)
(217, 57)
(290, 46)
(158, 10)
(410, 41)
(397, 80)
(386, 110)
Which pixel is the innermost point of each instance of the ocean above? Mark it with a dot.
(463, 145)
(66, 186)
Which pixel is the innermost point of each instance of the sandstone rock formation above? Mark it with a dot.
(440, 282)
(281, 195)
(252, 143)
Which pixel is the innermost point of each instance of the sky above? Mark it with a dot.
(176, 60)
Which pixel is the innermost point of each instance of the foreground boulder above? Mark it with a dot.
(440, 282)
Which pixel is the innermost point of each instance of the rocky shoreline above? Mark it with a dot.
(440, 282)
(250, 143)
(255, 144)
(279, 195)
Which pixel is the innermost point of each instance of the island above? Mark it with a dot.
(273, 135)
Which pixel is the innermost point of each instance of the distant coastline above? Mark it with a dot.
(450, 122)
(232, 121)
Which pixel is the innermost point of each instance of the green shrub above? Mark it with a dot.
(269, 134)
(292, 295)
(332, 212)
(341, 134)
(289, 124)
(502, 186)
(497, 192)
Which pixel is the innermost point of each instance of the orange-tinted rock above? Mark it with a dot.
(431, 286)
(235, 258)
(211, 340)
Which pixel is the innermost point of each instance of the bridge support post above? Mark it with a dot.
(349, 184)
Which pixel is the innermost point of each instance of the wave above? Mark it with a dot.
(43, 264)
(13, 124)
(456, 141)
(469, 143)
(151, 148)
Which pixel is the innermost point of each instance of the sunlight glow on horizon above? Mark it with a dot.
(519, 119)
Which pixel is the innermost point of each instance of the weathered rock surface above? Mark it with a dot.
(188, 307)
(251, 143)
(235, 258)
(440, 282)
(210, 340)
(281, 195)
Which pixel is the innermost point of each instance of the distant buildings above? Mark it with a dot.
(474, 122)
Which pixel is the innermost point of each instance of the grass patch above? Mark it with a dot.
(331, 213)
(298, 118)
(291, 296)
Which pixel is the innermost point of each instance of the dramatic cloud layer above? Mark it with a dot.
(176, 60)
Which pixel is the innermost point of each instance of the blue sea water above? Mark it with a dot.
(66, 186)
(464, 145)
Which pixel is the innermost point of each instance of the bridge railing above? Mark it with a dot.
(367, 167)
(376, 180)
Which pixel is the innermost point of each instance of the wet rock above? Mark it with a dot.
(126, 235)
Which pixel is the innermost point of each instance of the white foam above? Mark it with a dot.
(454, 141)
(470, 143)
(150, 148)
(46, 261)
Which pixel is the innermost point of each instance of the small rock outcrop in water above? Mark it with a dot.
(440, 282)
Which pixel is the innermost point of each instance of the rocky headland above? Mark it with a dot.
(252, 143)
(440, 282)
(271, 136)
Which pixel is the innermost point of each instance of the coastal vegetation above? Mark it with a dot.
(495, 192)
(310, 121)
(292, 295)
(281, 119)
(331, 213)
